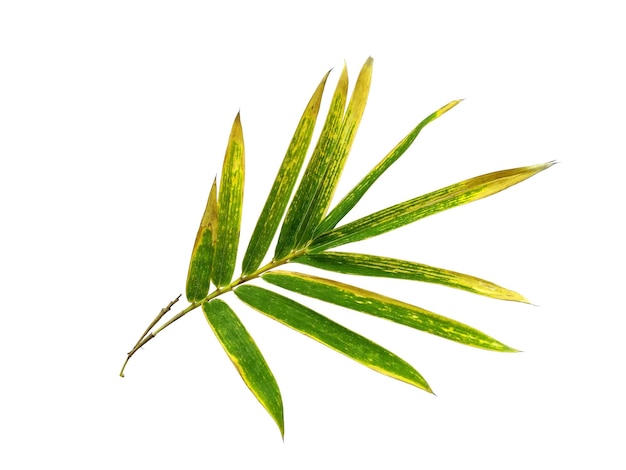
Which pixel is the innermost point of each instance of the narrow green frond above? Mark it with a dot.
(379, 266)
(246, 357)
(336, 163)
(331, 334)
(423, 206)
(305, 202)
(283, 185)
(355, 195)
(199, 274)
(230, 203)
(384, 307)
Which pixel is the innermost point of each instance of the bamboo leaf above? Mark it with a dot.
(351, 123)
(283, 184)
(331, 334)
(379, 266)
(246, 357)
(423, 206)
(199, 274)
(384, 307)
(306, 202)
(230, 203)
(355, 195)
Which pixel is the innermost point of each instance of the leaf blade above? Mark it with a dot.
(384, 307)
(350, 125)
(409, 211)
(246, 357)
(305, 201)
(354, 196)
(201, 262)
(229, 207)
(284, 183)
(330, 333)
(379, 266)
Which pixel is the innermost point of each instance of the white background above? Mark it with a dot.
(113, 122)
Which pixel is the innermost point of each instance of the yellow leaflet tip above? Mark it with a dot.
(446, 108)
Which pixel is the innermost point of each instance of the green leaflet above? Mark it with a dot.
(331, 334)
(283, 185)
(384, 307)
(304, 201)
(335, 165)
(230, 203)
(246, 357)
(199, 274)
(354, 196)
(423, 206)
(370, 265)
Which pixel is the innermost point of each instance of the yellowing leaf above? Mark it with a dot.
(306, 204)
(246, 357)
(350, 200)
(423, 206)
(199, 274)
(331, 334)
(384, 307)
(283, 184)
(379, 266)
(230, 203)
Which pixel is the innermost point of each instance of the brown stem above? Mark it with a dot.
(141, 341)
(148, 334)
(158, 317)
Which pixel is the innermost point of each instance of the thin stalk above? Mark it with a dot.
(158, 317)
(148, 334)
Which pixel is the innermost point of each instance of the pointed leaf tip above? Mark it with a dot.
(385, 307)
(309, 202)
(284, 183)
(417, 208)
(246, 357)
(446, 108)
(354, 196)
(230, 204)
(331, 334)
(379, 266)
